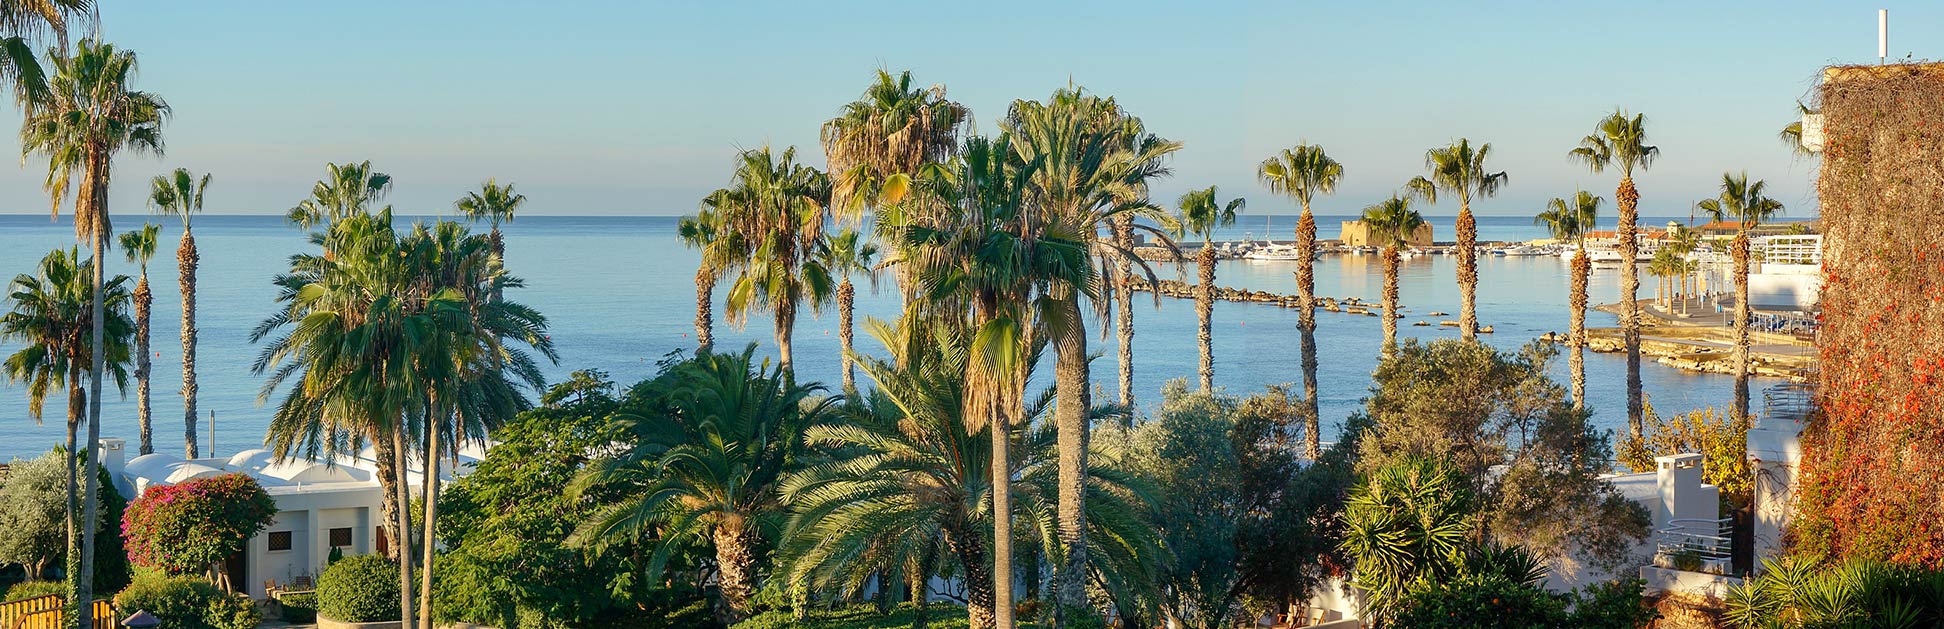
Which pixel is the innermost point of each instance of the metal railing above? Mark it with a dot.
(1699, 539)
(1793, 401)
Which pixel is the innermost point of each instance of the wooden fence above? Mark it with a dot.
(45, 612)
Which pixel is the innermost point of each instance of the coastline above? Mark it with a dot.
(1704, 343)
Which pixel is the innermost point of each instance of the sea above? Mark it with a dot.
(618, 294)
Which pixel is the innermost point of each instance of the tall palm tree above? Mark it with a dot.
(181, 194)
(1093, 163)
(987, 269)
(1620, 142)
(879, 142)
(1459, 169)
(843, 255)
(52, 318)
(139, 246)
(722, 250)
(1749, 205)
(1302, 172)
(704, 465)
(346, 190)
(1683, 241)
(494, 204)
(89, 113)
(22, 24)
(1201, 213)
(1665, 266)
(1569, 220)
(1391, 224)
(782, 208)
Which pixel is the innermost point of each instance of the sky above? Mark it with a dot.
(637, 108)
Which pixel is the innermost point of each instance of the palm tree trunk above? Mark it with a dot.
(1204, 311)
(1582, 270)
(1629, 199)
(1741, 324)
(1391, 259)
(90, 506)
(785, 328)
(499, 251)
(1124, 315)
(1467, 273)
(77, 403)
(1072, 384)
(705, 281)
(736, 569)
(186, 259)
(846, 296)
(1002, 612)
(143, 300)
(978, 578)
(403, 490)
(389, 477)
(435, 418)
(1306, 322)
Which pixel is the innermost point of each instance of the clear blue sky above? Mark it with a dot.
(636, 108)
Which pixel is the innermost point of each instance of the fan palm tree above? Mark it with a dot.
(1683, 241)
(1791, 134)
(139, 245)
(705, 464)
(52, 318)
(89, 113)
(907, 487)
(494, 204)
(1569, 220)
(346, 190)
(722, 250)
(1620, 142)
(1302, 172)
(1459, 169)
(1094, 161)
(782, 208)
(22, 23)
(1201, 213)
(845, 254)
(986, 268)
(1391, 224)
(1665, 266)
(181, 194)
(1749, 205)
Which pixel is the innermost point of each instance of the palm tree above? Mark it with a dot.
(845, 254)
(1570, 220)
(986, 269)
(139, 245)
(907, 487)
(1302, 172)
(22, 23)
(89, 113)
(879, 142)
(1459, 169)
(494, 204)
(52, 317)
(1201, 213)
(1683, 241)
(704, 465)
(782, 207)
(181, 194)
(1391, 224)
(1408, 521)
(1791, 134)
(1093, 163)
(1748, 204)
(1620, 142)
(1665, 266)
(347, 190)
(722, 250)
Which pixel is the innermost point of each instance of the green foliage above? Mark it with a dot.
(189, 526)
(1407, 522)
(33, 512)
(361, 588)
(299, 608)
(188, 602)
(1477, 601)
(1720, 439)
(864, 617)
(32, 589)
(1794, 593)
(1534, 462)
(1616, 604)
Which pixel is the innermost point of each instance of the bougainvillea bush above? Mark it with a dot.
(190, 526)
(1870, 483)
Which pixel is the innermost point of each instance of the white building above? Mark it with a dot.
(321, 506)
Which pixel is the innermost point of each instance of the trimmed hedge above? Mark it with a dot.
(187, 602)
(299, 608)
(31, 589)
(361, 588)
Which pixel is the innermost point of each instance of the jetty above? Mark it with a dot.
(1346, 305)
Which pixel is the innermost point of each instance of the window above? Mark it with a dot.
(279, 540)
(341, 538)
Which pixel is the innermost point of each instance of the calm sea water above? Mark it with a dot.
(619, 295)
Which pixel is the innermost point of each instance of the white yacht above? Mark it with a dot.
(1273, 252)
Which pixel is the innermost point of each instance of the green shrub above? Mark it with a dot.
(1616, 604)
(187, 602)
(362, 588)
(31, 589)
(1799, 593)
(299, 608)
(1477, 601)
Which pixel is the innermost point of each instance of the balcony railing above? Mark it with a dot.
(1696, 545)
(1793, 401)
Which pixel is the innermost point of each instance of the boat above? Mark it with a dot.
(1524, 250)
(1273, 252)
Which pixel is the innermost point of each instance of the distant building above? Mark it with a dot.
(1354, 234)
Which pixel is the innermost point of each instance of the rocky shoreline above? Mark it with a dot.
(1346, 305)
